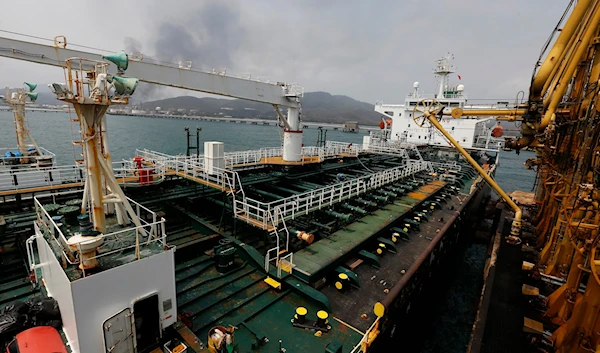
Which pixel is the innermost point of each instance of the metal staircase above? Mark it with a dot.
(281, 248)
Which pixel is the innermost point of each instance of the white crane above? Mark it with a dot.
(180, 76)
(90, 80)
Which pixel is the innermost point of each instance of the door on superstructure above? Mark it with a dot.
(404, 137)
(146, 319)
(118, 333)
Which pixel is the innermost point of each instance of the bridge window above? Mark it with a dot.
(419, 136)
(408, 125)
(453, 128)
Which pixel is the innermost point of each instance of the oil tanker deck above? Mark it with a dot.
(350, 252)
(324, 248)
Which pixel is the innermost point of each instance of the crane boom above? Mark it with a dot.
(172, 76)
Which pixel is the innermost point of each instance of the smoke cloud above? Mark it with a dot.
(145, 91)
(208, 36)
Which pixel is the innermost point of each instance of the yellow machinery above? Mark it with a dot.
(561, 121)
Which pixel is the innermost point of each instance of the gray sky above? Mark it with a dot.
(368, 50)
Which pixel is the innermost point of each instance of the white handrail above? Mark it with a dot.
(305, 202)
(124, 238)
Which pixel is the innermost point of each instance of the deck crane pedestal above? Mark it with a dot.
(89, 89)
(16, 98)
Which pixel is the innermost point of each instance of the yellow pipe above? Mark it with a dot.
(594, 76)
(567, 55)
(558, 49)
(516, 225)
(565, 78)
(458, 112)
(521, 142)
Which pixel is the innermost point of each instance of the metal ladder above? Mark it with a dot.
(283, 263)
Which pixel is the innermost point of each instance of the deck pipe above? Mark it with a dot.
(307, 237)
(365, 202)
(404, 186)
(353, 208)
(321, 225)
(220, 203)
(556, 94)
(304, 186)
(378, 197)
(399, 191)
(268, 194)
(344, 216)
(290, 191)
(386, 193)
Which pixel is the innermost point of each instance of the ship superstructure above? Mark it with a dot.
(472, 132)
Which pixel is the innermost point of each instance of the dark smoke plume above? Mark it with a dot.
(207, 36)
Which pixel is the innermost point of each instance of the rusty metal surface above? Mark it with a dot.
(374, 281)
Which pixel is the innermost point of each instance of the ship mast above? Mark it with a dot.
(442, 69)
(16, 98)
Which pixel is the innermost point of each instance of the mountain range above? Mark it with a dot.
(316, 106)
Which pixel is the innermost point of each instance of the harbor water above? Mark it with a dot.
(456, 309)
(52, 130)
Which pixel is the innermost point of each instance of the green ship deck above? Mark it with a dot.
(241, 298)
(318, 258)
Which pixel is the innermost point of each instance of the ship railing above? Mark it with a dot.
(270, 152)
(239, 158)
(314, 151)
(382, 103)
(46, 157)
(47, 225)
(446, 165)
(128, 174)
(166, 161)
(337, 148)
(193, 166)
(21, 179)
(150, 232)
(218, 177)
(301, 204)
(388, 150)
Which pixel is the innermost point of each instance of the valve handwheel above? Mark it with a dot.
(430, 105)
